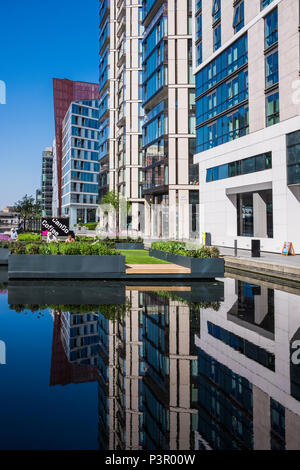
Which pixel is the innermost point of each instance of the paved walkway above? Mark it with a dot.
(272, 258)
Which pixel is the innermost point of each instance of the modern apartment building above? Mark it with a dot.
(64, 92)
(47, 177)
(121, 112)
(55, 198)
(80, 167)
(170, 185)
(246, 61)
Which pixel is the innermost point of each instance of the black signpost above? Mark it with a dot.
(59, 226)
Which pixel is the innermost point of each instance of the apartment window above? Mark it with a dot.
(198, 5)
(217, 36)
(192, 100)
(240, 167)
(216, 10)
(272, 69)
(293, 158)
(225, 129)
(271, 28)
(239, 16)
(199, 26)
(272, 109)
(199, 56)
(265, 3)
(226, 63)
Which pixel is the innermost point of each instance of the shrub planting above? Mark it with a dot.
(29, 237)
(179, 248)
(91, 225)
(76, 248)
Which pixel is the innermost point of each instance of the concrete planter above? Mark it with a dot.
(3, 275)
(205, 268)
(65, 267)
(130, 246)
(4, 253)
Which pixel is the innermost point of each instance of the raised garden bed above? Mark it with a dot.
(66, 267)
(205, 268)
(4, 253)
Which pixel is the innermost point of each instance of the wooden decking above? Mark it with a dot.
(156, 269)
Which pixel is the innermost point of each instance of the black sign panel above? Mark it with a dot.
(57, 225)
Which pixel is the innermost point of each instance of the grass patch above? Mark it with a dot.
(140, 257)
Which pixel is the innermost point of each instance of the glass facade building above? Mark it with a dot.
(64, 92)
(80, 163)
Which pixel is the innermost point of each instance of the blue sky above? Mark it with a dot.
(39, 40)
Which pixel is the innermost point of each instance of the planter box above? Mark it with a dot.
(130, 246)
(65, 267)
(4, 253)
(3, 275)
(205, 268)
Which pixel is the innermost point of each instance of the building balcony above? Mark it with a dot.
(150, 11)
(121, 27)
(155, 99)
(121, 10)
(121, 119)
(155, 188)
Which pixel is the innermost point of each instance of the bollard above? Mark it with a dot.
(235, 248)
(255, 248)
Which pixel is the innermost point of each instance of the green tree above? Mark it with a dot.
(119, 203)
(27, 208)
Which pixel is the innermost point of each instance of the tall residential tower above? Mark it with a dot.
(47, 178)
(121, 111)
(170, 177)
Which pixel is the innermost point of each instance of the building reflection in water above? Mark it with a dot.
(75, 344)
(179, 375)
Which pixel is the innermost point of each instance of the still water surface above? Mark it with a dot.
(113, 366)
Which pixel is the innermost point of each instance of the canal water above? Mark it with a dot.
(191, 366)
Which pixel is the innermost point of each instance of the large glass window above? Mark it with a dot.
(225, 129)
(271, 28)
(217, 37)
(216, 10)
(272, 75)
(224, 65)
(239, 16)
(240, 167)
(224, 97)
(245, 215)
(272, 109)
(293, 158)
